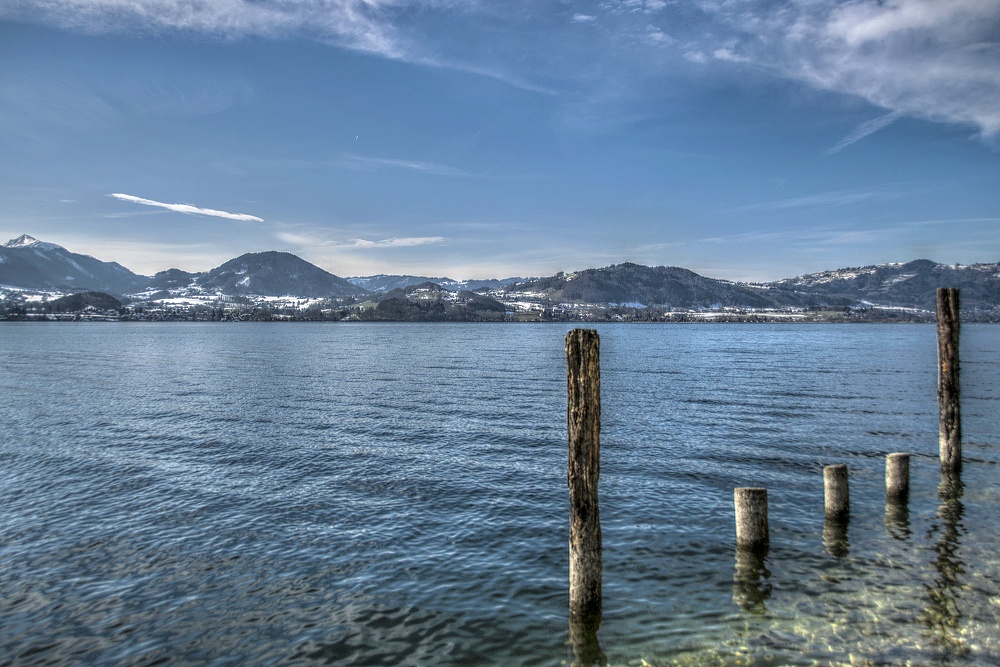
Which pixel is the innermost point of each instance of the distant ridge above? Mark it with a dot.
(913, 284)
(27, 263)
(641, 286)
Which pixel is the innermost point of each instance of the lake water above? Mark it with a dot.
(380, 494)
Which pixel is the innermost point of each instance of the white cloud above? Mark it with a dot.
(633, 6)
(187, 208)
(932, 59)
(356, 24)
(729, 55)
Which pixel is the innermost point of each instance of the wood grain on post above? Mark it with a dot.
(948, 385)
(583, 420)
(751, 518)
(836, 495)
(897, 477)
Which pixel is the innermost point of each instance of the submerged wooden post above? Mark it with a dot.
(836, 496)
(583, 420)
(948, 385)
(751, 518)
(897, 477)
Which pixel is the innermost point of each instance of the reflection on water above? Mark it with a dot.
(835, 537)
(943, 616)
(752, 580)
(584, 641)
(897, 518)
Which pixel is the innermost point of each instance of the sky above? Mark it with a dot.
(742, 139)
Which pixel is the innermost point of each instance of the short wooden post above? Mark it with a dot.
(751, 518)
(836, 496)
(948, 384)
(583, 419)
(897, 477)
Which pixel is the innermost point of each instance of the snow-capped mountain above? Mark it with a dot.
(30, 263)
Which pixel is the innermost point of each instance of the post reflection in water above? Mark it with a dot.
(943, 615)
(897, 519)
(752, 580)
(835, 537)
(583, 638)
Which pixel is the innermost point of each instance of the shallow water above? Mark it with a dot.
(378, 494)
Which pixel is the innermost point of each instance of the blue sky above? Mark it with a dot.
(743, 139)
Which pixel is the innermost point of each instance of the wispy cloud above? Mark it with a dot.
(864, 129)
(396, 242)
(840, 198)
(356, 24)
(321, 239)
(931, 59)
(843, 235)
(187, 208)
(925, 58)
(366, 162)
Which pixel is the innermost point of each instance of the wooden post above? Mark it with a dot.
(836, 496)
(897, 477)
(751, 518)
(583, 419)
(948, 385)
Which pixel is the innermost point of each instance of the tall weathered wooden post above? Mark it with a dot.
(948, 384)
(583, 419)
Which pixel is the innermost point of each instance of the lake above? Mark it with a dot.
(395, 494)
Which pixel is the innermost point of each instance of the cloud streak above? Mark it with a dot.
(363, 162)
(864, 129)
(819, 200)
(396, 242)
(314, 239)
(187, 208)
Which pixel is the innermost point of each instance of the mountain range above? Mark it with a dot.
(29, 264)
